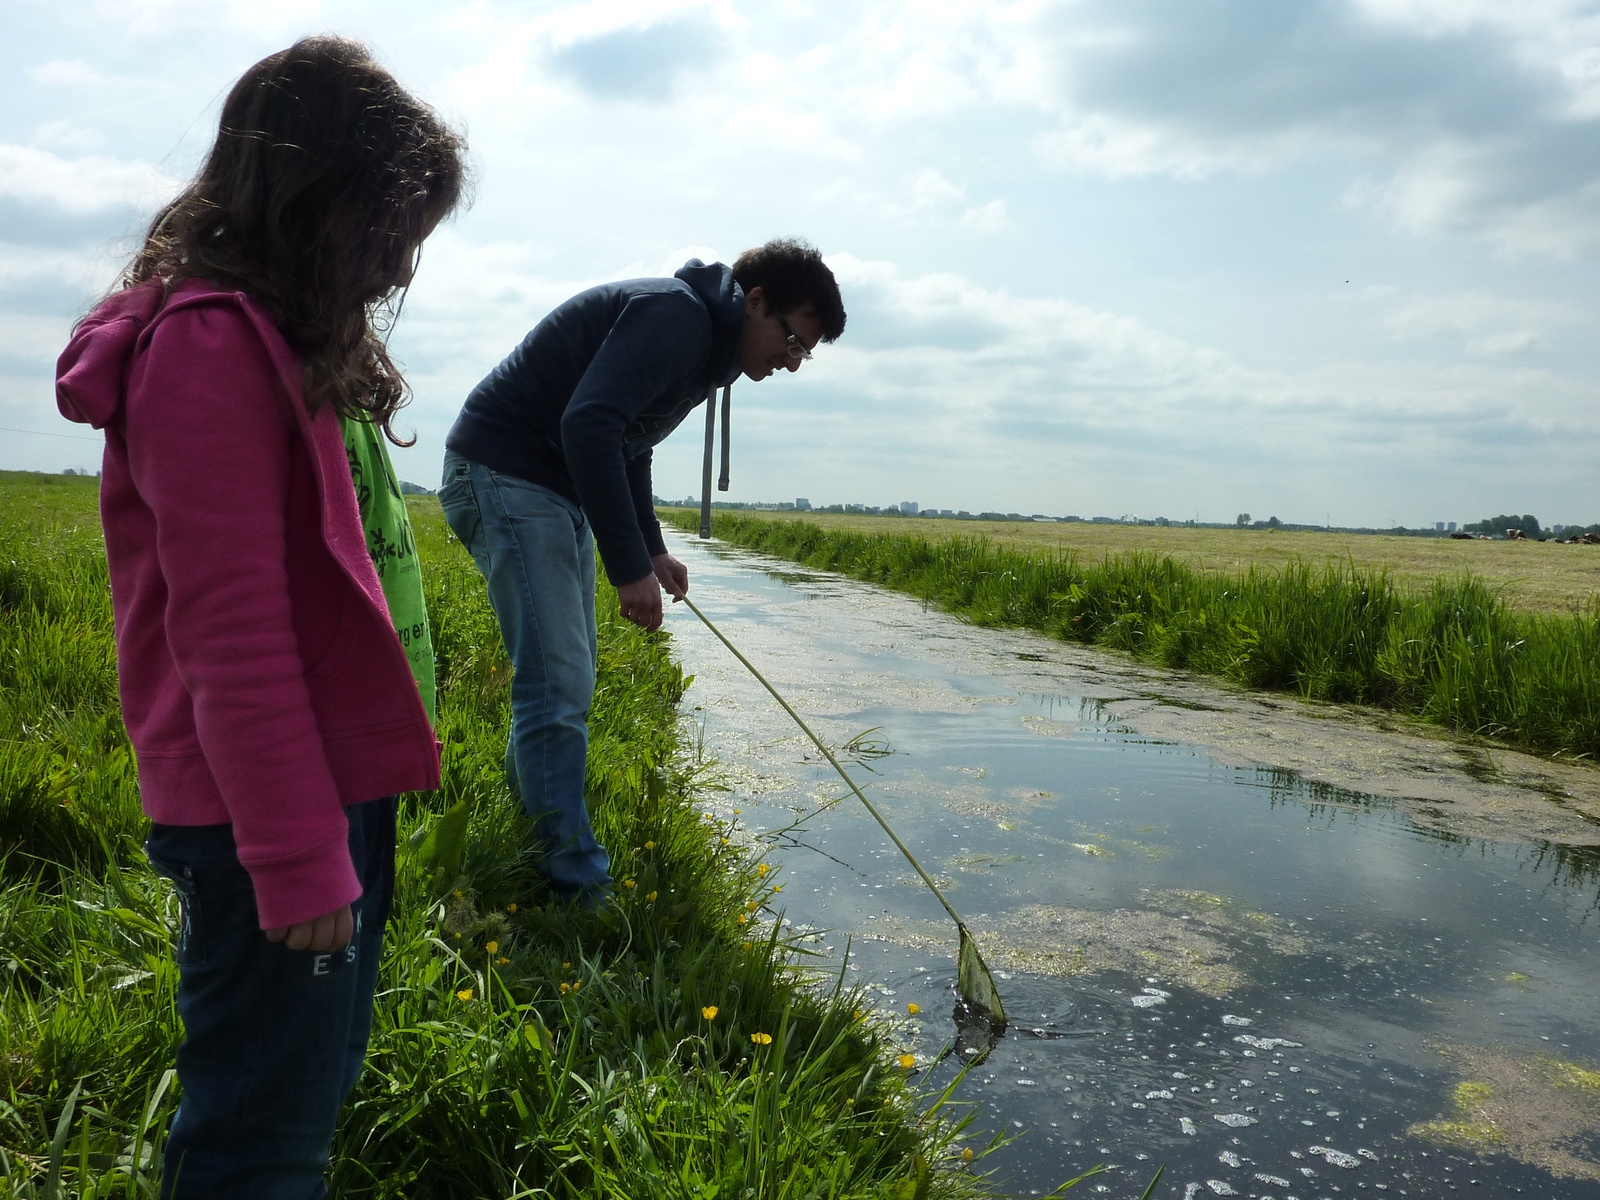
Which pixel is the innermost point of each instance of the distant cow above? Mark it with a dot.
(1516, 535)
(1461, 537)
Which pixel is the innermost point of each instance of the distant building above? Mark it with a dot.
(1438, 526)
(802, 505)
(1450, 526)
(909, 507)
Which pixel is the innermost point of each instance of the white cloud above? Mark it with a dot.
(33, 267)
(64, 135)
(925, 199)
(1481, 322)
(31, 338)
(65, 72)
(972, 373)
(1469, 118)
(164, 18)
(85, 185)
(571, 24)
(987, 218)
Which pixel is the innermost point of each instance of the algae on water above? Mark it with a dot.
(1195, 941)
(1539, 1110)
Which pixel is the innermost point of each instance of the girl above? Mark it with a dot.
(272, 706)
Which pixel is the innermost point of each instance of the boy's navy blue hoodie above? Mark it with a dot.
(579, 404)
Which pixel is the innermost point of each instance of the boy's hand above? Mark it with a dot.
(331, 931)
(674, 576)
(640, 601)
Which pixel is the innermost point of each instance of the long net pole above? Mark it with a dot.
(985, 996)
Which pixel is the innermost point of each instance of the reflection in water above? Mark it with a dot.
(1276, 987)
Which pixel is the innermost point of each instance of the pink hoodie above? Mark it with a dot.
(262, 683)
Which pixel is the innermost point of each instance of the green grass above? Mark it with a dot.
(1452, 653)
(519, 1049)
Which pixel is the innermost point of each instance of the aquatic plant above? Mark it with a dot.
(1454, 653)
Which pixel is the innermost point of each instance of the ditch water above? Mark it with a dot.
(1263, 982)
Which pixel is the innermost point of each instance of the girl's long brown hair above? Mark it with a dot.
(325, 178)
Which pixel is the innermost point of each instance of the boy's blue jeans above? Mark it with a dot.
(536, 552)
(273, 1038)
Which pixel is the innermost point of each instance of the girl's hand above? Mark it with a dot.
(331, 931)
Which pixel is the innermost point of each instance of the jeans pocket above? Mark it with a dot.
(188, 939)
(461, 508)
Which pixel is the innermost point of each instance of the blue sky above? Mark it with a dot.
(1328, 259)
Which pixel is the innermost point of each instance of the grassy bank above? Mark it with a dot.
(1531, 577)
(1451, 652)
(665, 1047)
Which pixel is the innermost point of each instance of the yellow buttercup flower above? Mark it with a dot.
(742, 918)
(566, 966)
(565, 988)
(913, 1009)
(724, 841)
(649, 845)
(763, 868)
(747, 947)
(907, 1061)
(628, 883)
(966, 1155)
(464, 994)
(777, 889)
(502, 961)
(511, 908)
(650, 896)
(458, 893)
(761, 1039)
(749, 906)
(737, 811)
(492, 947)
(709, 1012)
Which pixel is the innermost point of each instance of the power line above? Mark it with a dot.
(76, 437)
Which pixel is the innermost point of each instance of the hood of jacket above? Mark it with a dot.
(92, 372)
(724, 300)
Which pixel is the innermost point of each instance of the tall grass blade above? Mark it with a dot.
(58, 1146)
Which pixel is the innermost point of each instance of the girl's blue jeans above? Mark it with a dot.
(536, 552)
(273, 1038)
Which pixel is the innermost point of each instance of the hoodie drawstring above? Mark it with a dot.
(727, 435)
(705, 473)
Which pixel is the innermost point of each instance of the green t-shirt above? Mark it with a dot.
(393, 548)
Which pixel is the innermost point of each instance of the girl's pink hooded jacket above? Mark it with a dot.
(262, 682)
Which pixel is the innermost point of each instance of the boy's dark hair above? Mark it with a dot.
(325, 178)
(791, 274)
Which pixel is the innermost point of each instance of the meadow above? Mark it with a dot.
(1532, 577)
(1449, 649)
(672, 1044)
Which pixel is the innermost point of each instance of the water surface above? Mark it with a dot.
(1263, 982)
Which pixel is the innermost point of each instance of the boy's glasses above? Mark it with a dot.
(796, 348)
